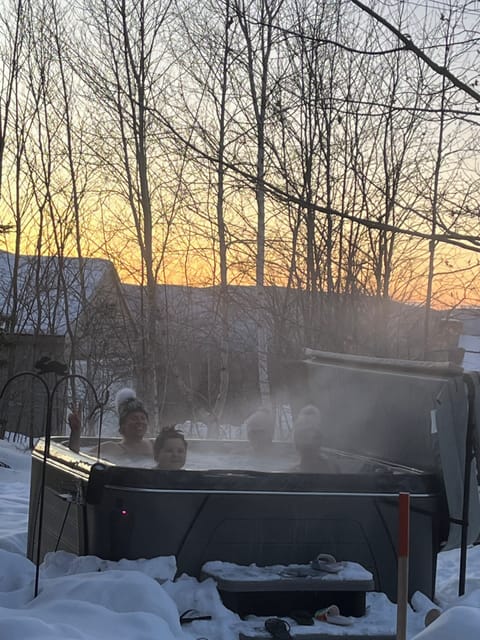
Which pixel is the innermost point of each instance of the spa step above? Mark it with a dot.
(278, 589)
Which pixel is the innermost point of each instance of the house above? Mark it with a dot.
(41, 299)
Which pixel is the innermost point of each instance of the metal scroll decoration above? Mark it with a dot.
(50, 394)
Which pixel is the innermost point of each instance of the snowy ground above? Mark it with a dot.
(87, 598)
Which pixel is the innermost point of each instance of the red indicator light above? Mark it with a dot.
(123, 512)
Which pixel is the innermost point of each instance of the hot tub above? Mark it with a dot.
(268, 515)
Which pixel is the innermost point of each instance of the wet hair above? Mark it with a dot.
(165, 434)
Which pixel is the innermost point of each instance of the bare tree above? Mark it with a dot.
(11, 45)
(258, 21)
(124, 70)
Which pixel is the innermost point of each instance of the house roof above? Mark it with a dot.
(197, 310)
(47, 290)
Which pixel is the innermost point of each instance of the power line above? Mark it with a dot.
(443, 71)
(367, 52)
(441, 4)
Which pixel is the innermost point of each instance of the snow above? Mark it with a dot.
(86, 598)
(227, 570)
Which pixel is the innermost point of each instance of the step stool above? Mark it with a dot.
(276, 590)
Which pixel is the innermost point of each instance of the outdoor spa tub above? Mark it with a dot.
(391, 427)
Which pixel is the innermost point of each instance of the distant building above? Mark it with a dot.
(40, 302)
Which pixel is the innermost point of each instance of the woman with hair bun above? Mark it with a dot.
(132, 425)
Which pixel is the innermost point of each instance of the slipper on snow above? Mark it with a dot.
(332, 615)
(278, 628)
(302, 617)
(326, 562)
(190, 615)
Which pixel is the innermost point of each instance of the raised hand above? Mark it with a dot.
(75, 423)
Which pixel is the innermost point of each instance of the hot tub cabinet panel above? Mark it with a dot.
(64, 515)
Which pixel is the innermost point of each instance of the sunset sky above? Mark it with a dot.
(146, 132)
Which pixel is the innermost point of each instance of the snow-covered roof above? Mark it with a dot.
(195, 310)
(47, 290)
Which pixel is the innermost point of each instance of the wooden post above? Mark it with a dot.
(402, 568)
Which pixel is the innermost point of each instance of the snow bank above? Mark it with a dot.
(458, 622)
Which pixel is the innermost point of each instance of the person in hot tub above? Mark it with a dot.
(260, 430)
(309, 440)
(132, 425)
(170, 449)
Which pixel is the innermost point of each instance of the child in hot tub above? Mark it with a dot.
(170, 449)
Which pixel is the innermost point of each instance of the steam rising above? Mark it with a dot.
(380, 412)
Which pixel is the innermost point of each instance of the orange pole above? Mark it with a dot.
(402, 562)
